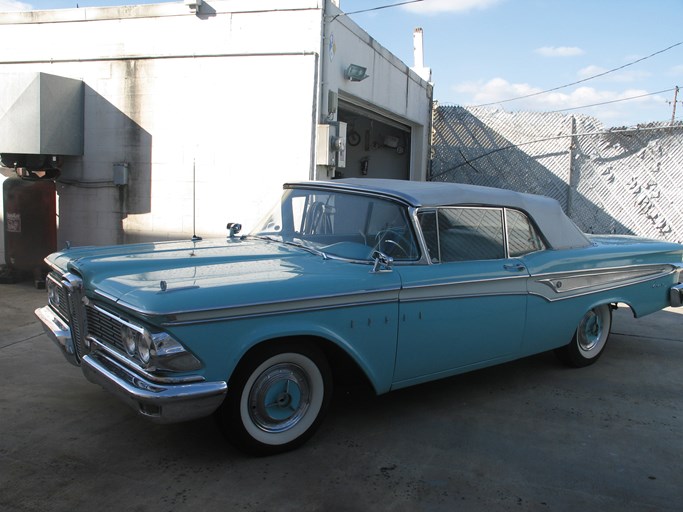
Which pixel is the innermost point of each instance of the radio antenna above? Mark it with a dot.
(195, 238)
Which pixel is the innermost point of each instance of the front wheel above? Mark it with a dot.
(276, 399)
(589, 339)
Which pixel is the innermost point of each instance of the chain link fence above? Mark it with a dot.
(620, 181)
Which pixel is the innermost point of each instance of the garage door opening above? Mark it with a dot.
(376, 146)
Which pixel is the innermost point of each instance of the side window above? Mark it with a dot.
(470, 234)
(522, 237)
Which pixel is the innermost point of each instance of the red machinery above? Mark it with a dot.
(30, 227)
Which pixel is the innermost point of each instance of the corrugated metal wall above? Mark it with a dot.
(624, 181)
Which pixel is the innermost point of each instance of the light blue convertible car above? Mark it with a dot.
(395, 282)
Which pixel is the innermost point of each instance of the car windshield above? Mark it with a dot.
(340, 224)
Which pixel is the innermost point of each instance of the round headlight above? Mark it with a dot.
(145, 347)
(129, 340)
(52, 293)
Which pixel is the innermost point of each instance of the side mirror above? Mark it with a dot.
(382, 262)
(234, 228)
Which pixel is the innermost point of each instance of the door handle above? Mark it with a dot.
(515, 267)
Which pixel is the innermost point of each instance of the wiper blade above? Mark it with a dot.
(307, 248)
(263, 237)
(299, 245)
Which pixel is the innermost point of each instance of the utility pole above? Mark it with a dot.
(673, 114)
(573, 179)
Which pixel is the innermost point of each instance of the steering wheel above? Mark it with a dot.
(392, 243)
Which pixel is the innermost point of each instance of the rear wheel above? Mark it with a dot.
(277, 398)
(589, 339)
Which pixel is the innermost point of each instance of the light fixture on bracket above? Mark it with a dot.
(355, 73)
(194, 5)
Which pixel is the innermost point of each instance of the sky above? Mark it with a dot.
(486, 52)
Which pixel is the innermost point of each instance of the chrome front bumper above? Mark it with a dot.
(159, 402)
(162, 403)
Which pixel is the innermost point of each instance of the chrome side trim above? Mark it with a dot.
(669, 267)
(265, 308)
(463, 295)
(161, 403)
(563, 285)
(284, 307)
(513, 285)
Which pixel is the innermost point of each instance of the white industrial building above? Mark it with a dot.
(175, 118)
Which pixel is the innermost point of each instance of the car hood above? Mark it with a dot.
(167, 278)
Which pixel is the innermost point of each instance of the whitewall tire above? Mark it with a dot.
(590, 338)
(277, 398)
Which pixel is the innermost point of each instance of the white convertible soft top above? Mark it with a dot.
(559, 231)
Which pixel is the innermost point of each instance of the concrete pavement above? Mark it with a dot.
(529, 435)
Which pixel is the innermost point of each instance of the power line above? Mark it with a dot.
(592, 104)
(582, 80)
(612, 101)
(554, 137)
(384, 7)
(554, 88)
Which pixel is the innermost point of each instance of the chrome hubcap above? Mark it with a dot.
(590, 332)
(279, 398)
(593, 331)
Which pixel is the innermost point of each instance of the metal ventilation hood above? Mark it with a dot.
(41, 114)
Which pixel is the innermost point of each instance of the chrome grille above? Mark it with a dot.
(69, 305)
(63, 305)
(104, 327)
(76, 333)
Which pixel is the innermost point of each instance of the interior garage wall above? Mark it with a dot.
(375, 149)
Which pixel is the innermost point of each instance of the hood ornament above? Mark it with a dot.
(163, 285)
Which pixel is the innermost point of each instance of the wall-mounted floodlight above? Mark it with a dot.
(193, 5)
(355, 73)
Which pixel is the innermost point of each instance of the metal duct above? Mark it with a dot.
(41, 114)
